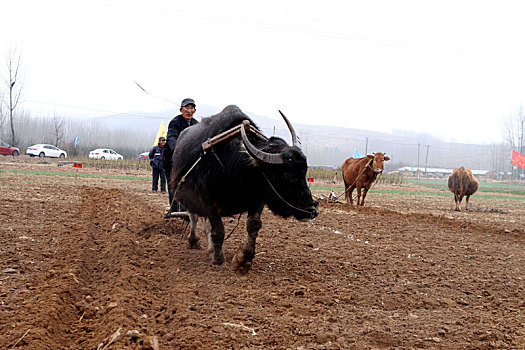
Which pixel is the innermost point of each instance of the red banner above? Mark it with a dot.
(518, 159)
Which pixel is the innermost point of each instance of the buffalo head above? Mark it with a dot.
(283, 168)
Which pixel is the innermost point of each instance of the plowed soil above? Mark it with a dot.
(89, 263)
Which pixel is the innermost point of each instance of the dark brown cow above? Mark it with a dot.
(361, 173)
(462, 183)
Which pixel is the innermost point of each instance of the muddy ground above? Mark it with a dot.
(89, 263)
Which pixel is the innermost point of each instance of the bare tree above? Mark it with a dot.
(59, 126)
(15, 84)
(514, 131)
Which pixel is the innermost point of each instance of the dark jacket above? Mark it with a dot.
(156, 157)
(175, 127)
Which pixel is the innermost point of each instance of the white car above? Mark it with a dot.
(105, 153)
(44, 150)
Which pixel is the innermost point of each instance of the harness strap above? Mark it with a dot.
(206, 145)
(233, 229)
(221, 137)
(284, 200)
(216, 156)
(229, 133)
(369, 164)
(357, 177)
(182, 181)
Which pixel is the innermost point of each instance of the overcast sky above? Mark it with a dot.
(451, 68)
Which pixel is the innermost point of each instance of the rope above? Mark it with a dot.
(233, 229)
(278, 195)
(211, 142)
(368, 165)
(216, 156)
(182, 181)
(357, 177)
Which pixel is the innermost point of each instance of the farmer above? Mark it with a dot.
(156, 160)
(175, 127)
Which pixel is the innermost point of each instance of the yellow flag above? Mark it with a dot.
(161, 132)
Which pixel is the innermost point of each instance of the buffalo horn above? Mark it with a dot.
(272, 158)
(290, 127)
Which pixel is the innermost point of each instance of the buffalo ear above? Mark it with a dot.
(370, 156)
(387, 158)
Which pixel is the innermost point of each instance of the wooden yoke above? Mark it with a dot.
(206, 145)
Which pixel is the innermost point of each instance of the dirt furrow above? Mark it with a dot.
(82, 259)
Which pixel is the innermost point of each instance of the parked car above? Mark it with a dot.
(8, 150)
(44, 150)
(105, 153)
(144, 155)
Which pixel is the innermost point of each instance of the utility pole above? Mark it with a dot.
(418, 146)
(426, 159)
(366, 147)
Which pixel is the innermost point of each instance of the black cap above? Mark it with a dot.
(162, 138)
(187, 101)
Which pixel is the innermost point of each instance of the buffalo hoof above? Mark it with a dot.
(242, 261)
(218, 259)
(194, 243)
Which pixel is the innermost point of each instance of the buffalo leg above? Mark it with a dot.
(217, 238)
(193, 240)
(207, 228)
(467, 197)
(242, 261)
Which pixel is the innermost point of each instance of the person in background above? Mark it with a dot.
(156, 160)
(175, 127)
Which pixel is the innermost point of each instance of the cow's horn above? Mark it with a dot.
(272, 158)
(290, 127)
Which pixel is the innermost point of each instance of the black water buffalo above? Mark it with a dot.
(240, 173)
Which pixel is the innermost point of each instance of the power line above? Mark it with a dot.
(308, 31)
(118, 115)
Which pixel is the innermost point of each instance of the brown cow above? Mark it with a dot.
(462, 183)
(361, 173)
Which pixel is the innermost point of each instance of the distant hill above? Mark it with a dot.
(330, 146)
